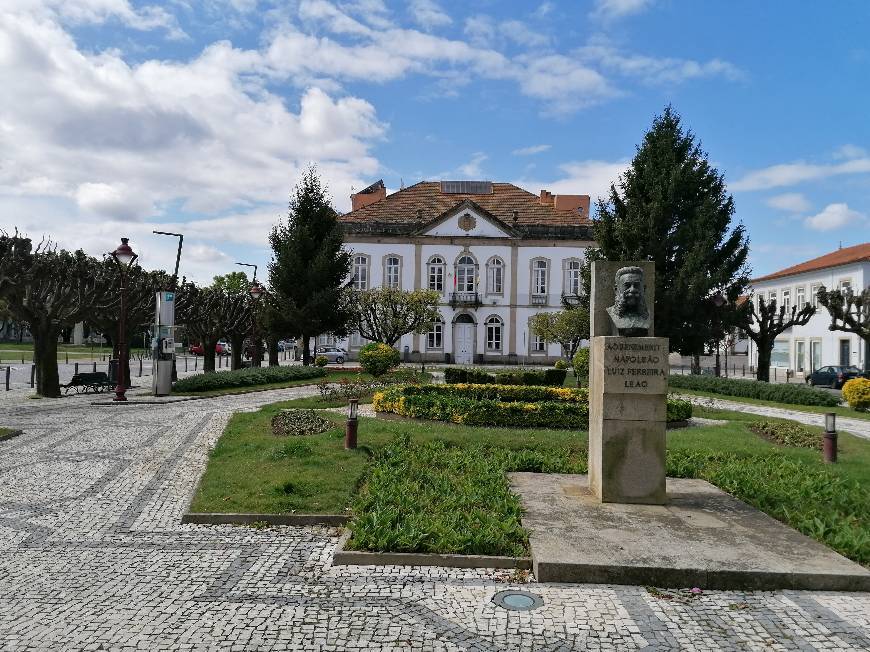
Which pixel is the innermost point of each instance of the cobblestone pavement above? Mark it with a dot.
(94, 557)
(857, 427)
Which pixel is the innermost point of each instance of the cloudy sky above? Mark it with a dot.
(122, 117)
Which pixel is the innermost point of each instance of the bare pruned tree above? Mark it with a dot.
(763, 323)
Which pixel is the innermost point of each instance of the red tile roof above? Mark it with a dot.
(426, 197)
(858, 253)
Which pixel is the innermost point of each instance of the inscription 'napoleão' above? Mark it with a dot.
(639, 365)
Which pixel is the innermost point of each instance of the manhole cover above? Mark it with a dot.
(517, 600)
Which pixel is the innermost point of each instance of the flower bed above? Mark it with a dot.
(781, 393)
(551, 377)
(500, 405)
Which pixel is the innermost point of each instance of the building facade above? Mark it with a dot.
(807, 348)
(497, 254)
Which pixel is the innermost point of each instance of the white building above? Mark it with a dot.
(806, 348)
(497, 254)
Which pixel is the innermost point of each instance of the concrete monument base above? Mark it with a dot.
(703, 537)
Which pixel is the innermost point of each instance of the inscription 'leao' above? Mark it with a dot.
(636, 384)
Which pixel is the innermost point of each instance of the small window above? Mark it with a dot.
(495, 276)
(538, 344)
(572, 278)
(539, 277)
(435, 336)
(392, 272)
(466, 272)
(493, 334)
(436, 274)
(786, 300)
(361, 272)
(846, 285)
(800, 298)
(814, 294)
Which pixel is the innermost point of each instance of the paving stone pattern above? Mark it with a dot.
(94, 557)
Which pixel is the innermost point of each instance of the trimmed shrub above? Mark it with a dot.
(377, 358)
(321, 361)
(857, 393)
(787, 433)
(551, 377)
(561, 364)
(500, 405)
(297, 423)
(780, 393)
(249, 377)
(581, 366)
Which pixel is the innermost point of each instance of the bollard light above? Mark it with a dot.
(829, 442)
(351, 426)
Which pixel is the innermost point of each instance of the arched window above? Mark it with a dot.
(436, 273)
(466, 273)
(392, 272)
(540, 269)
(493, 334)
(495, 276)
(361, 272)
(571, 286)
(435, 335)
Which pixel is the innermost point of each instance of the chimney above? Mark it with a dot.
(375, 192)
(577, 203)
(516, 216)
(546, 198)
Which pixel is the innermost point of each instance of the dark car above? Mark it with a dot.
(834, 376)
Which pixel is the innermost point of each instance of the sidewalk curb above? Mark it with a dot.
(211, 518)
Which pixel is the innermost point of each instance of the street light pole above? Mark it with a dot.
(124, 257)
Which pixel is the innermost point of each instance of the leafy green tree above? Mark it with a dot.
(385, 314)
(310, 266)
(850, 313)
(672, 207)
(49, 289)
(566, 327)
(233, 283)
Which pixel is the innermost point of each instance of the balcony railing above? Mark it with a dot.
(539, 299)
(464, 299)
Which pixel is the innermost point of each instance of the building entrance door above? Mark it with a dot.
(815, 355)
(844, 352)
(464, 350)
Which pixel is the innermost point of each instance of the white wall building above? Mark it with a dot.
(497, 254)
(807, 348)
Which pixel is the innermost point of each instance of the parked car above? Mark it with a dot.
(834, 376)
(219, 349)
(332, 353)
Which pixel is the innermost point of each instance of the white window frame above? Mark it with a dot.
(389, 280)
(361, 263)
(800, 297)
(786, 300)
(844, 284)
(494, 333)
(435, 336)
(435, 272)
(466, 274)
(540, 277)
(572, 281)
(814, 294)
(495, 276)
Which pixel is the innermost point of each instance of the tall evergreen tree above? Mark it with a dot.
(310, 267)
(673, 208)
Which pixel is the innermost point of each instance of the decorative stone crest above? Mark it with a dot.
(629, 312)
(467, 222)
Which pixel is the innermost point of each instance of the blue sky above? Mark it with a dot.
(199, 116)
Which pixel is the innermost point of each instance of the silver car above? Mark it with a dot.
(333, 353)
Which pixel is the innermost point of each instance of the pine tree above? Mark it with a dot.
(673, 208)
(310, 267)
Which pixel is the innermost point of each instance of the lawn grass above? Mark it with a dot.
(250, 470)
(815, 409)
(331, 376)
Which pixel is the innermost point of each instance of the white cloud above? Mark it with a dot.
(428, 14)
(521, 34)
(612, 9)
(835, 216)
(850, 152)
(544, 9)
(116, 201)
(531, 150)
(95, 12)
(790, 174)
(483, 31)
(472, 169)
(794, 202)
(591, 178)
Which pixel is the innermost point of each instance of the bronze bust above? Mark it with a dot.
(629, 312)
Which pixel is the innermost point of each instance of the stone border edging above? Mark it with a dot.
(11, 434)
(182, 398)
(344, 557)
(211, 518)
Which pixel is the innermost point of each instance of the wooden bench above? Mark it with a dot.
(96, 381)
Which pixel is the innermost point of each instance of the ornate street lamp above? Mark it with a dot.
(718, 302)
(124, 258)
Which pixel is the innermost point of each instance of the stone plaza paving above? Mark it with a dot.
(93, 557)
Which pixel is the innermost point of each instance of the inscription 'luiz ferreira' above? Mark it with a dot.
(634, 366)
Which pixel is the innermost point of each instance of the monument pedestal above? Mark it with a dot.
(627, 419)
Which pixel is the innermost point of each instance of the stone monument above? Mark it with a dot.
(628, 386)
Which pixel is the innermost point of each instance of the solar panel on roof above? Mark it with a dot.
(466, 187)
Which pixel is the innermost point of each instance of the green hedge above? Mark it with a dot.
(550, 377)
(246, 378)
(500, 405)
(780, 393)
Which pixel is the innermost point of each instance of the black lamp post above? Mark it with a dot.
(718, 302)
(352, 424)
(256, 292)
(829, 442)
(124, 258)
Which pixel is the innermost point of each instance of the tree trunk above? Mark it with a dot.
(696, 364)
(208, 355)
(238, 343)
(45, 359)
(306, 351)
(272, 347)
(763, 371)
